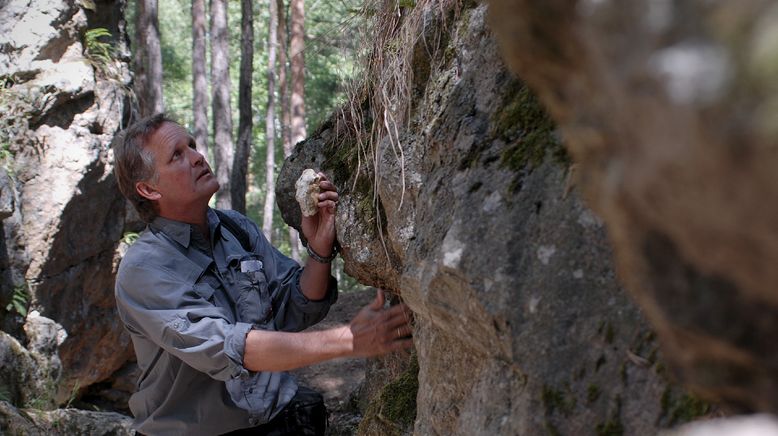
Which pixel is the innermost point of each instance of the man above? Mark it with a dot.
(215, 312)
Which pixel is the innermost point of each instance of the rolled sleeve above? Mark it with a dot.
(308, 306)
(180, 320)
(294, 311)
(235, 348)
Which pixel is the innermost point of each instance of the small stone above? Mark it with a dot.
(308, 192)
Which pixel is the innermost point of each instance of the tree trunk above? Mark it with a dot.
(245, 123)
(297, 47)
(148, 59)
(199, 80)
(297, 100)
(270, 164)
(283, 84)
(222, 112)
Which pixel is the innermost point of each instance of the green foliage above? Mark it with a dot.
(73, 394)
(19, 300)
(129, 238)
(88, 4)
(5, 151)
(331, 40)
(99, 53)
(17, 107)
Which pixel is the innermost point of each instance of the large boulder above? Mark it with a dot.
(61, 108)
(465, 207)
(669, 110)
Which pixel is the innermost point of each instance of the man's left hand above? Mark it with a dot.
(319, 229)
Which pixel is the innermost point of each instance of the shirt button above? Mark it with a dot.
(253, 421)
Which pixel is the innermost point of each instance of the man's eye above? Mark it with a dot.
(192, 145)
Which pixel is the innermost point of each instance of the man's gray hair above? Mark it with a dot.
(133, 163)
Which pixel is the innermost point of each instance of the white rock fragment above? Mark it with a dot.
(308, 192)
(545, 252)
(533, 304)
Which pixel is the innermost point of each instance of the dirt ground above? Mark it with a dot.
(338, 379)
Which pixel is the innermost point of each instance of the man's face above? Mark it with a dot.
(184, 178)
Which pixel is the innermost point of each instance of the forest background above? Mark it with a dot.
(332, 34)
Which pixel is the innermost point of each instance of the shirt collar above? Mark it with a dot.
(181, 232)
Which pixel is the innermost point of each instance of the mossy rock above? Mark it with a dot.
(393, 409)
(678, 408)
(529, 131)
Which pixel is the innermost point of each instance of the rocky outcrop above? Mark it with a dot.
(62, 422)
(464, 205)
(62, 105)
(669, 110)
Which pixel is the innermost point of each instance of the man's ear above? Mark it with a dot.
(147, 191)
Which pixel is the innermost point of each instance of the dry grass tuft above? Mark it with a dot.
(380, 101)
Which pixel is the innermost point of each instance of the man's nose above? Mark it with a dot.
(196, 157)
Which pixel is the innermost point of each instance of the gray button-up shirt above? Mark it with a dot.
(188, 305)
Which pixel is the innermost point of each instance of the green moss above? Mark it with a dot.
(613, 426)
(529, 130)
(610, 428)
(599, 363)
(555, 400)
(652, 356)
(623, 373)
(393, 410)
(678, 409)
(551, 430)
(609, 333)
(593, 393)
(580, 374)
(399, 397)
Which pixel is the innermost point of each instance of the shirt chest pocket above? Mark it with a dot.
(251, 293)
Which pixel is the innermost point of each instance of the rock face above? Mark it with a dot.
(62, 106)
(669, 110)
(521, 326)
(62, 422)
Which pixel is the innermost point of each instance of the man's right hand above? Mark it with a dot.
(377, 330)
(374, 331)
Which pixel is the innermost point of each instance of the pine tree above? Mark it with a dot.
(148, 59)
(222, 113)
(199, 79)
(245, 117)
(270, 189)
